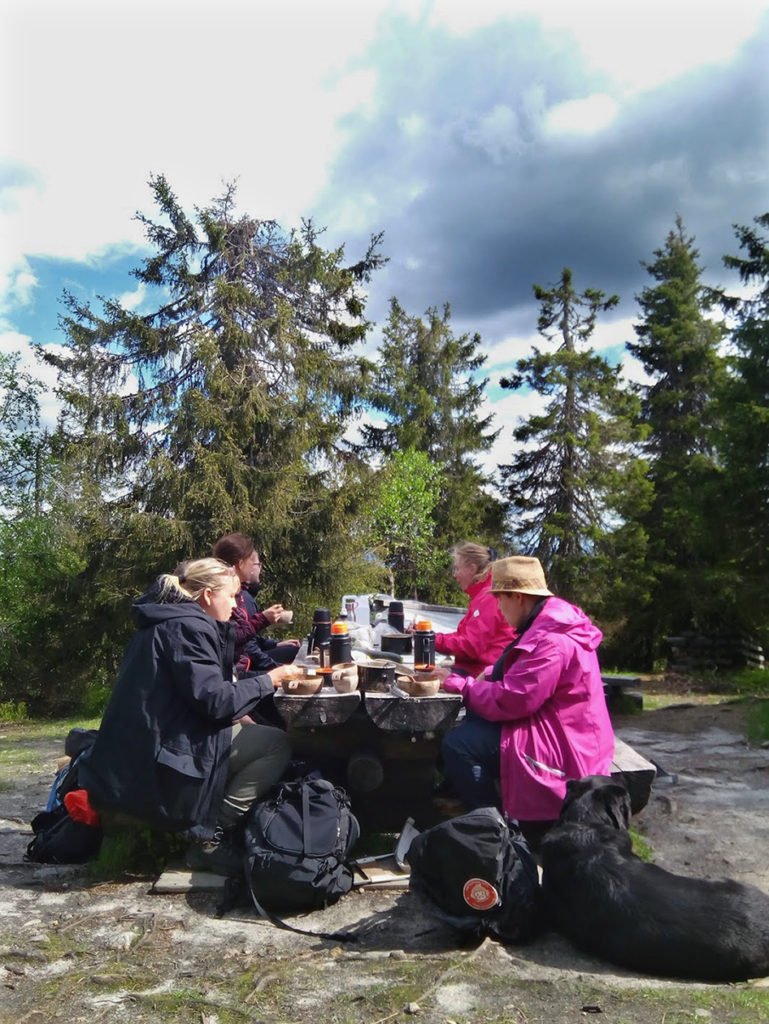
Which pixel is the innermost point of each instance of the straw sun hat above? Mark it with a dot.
(519, 575)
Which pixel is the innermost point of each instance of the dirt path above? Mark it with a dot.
(77, 951)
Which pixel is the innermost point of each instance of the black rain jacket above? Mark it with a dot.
(162, 748)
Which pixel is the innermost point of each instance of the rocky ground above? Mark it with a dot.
(75, 949)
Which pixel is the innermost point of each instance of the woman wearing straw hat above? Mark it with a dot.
(538, 717)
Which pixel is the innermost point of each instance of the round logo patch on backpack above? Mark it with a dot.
(480, 894)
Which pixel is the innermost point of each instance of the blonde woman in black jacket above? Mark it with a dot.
(176, 747)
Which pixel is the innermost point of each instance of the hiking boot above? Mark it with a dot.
(221, 855)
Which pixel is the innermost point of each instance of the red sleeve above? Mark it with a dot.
(244, 629)
(260, 622)
(477, 631)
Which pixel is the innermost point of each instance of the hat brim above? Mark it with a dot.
(532, 591)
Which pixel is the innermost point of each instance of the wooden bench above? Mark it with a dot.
(623, 693)
(635, 771)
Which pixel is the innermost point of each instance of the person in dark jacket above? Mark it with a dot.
(176, 746)
(253, 650)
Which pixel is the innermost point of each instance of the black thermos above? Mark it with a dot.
(321, 629)
(395, 616)
(424, 645)
(341, 646)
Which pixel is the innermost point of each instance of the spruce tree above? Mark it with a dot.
(564, 481)
(744, 439)
(678, 347)
(426, 385)
(221, 408)
(24, 445)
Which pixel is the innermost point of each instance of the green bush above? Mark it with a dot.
(13, 711)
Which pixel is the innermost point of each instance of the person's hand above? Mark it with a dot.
(243, 720)
(440, 672)
(281, 672)
(291, 642)
(273, 613)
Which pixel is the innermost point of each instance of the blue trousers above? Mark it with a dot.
(471, 760)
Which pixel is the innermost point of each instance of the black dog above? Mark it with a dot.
(610, 903)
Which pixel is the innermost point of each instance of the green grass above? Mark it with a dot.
(641, 848)
(40, 729)
(758, 721)
(136, 850)
(655, 701)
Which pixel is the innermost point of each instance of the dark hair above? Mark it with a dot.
(233, 548)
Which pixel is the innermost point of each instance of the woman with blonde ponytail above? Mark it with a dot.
(482, 633)
(177, 747)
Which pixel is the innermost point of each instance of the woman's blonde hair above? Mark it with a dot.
(191, 578)
(476, 555)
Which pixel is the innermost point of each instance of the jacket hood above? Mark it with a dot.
(558, 616)
(149, 611)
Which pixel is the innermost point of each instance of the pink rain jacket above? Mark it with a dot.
(552, 706)
(482, 634)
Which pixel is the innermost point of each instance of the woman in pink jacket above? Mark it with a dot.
(538, 717)
(482, 633)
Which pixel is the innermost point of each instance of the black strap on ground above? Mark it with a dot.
(280, 923)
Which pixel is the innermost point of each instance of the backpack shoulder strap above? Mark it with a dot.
(229, 901)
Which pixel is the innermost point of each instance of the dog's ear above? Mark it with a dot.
(575, 788)
(616, 802)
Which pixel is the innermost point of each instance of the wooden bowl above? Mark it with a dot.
(302, 686)
(419, 687)
(344, 677)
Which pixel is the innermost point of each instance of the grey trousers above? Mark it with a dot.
(258, 757)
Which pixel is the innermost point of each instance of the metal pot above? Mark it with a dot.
(398, 643)
(377, 675)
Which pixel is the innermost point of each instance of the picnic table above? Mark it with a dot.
(381, 746)
(384, 748)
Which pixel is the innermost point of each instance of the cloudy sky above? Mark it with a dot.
(494, 143)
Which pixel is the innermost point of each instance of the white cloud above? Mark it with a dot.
(112, 93)
(509, 411)
(133, 299)
(581, 117)
(412, 125)
(17, 283)
(13, 341)
(638, 43)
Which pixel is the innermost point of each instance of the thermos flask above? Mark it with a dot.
(341, 647)
(424, 644)
(395, 616)
(321, 629)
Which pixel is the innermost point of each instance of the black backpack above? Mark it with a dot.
(297, 844)
(59, 839)
(476, 873)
